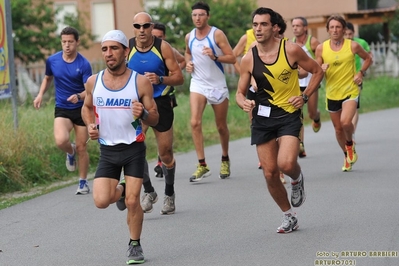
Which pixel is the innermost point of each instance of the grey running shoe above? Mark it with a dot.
(135, 254)
(201, 172)
(70, 162)
(168, 205)
(224, 170)
(290, 223)
(83, 187)
(298, 195)
(120, 204)
(147, 200)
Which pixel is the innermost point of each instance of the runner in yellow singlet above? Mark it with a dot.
(337, 58)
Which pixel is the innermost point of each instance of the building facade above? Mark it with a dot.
(105, 15)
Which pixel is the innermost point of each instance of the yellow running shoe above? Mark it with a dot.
(224, 170)
(316, 126)
(201, 172)
(302, 152)
(347, 166)
(351, 153)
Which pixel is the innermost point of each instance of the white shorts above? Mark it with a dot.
(212, 94)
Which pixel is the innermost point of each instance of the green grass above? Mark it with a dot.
(30, 161)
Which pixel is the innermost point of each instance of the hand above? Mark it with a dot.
(296, 101)
(248, 105)
(190, 67)
(37, 102)
(154, 78)
(208, 51)
(358, 79)
(324, 67)
(137, 109)
(73, 98)
(92, 130)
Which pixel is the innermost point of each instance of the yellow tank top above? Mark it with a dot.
(276, 82)
(340, 73)
(250, 39)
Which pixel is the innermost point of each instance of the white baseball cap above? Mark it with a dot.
(117, 36)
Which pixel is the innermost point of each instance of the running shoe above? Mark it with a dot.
(347, 166)
(316, 126)
(147, 200)
(168, 205)
(71, 160)
(83, 187)
(290, 223)
(135, 254)
(351, 156)
(224, 170)
(282, 178)
(201, 172)
(298, 195)
(302, 152)
(120, 203)
(158, 170)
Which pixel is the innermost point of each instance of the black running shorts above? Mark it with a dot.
(75, 115)
(129, 157)
(265, 129)
(166, 114)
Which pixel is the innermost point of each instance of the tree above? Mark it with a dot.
(367, 4)
(34, 29)
(231, 16)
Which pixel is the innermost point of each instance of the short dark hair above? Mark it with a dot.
(201, 5)
(349, 26)
(281, 24)
(338, 18)
(70, 31)
(160, 26)
(274, 18)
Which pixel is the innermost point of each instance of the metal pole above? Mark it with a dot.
(11, 62)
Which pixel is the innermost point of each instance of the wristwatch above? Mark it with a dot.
(216, 58)
(305, 97)
(144, 114)
(363, 72)
(78, 95)
(160, 79)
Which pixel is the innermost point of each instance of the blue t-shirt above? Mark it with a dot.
(69, 78)
(150, 61)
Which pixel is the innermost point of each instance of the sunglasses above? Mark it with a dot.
(145, 25)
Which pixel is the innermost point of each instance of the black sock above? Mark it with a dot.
(349, 143)
(137, 241)
(169, 190)
(316, 120)
(202, 162)
(148, 187)
(225, 158)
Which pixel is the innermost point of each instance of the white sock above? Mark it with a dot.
(288, 212)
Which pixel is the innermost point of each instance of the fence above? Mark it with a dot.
(385, 62)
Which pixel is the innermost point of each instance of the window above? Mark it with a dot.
(102, 19)
(155, 3)
(65, 9)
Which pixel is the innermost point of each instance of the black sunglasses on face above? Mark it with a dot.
(145, 25)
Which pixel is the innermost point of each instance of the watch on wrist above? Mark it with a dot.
(160, 79)
(216, 58)
(144, 114)
(305, 98)
(78, 95)
(363, 72)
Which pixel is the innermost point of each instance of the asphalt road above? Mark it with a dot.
(346, 216)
